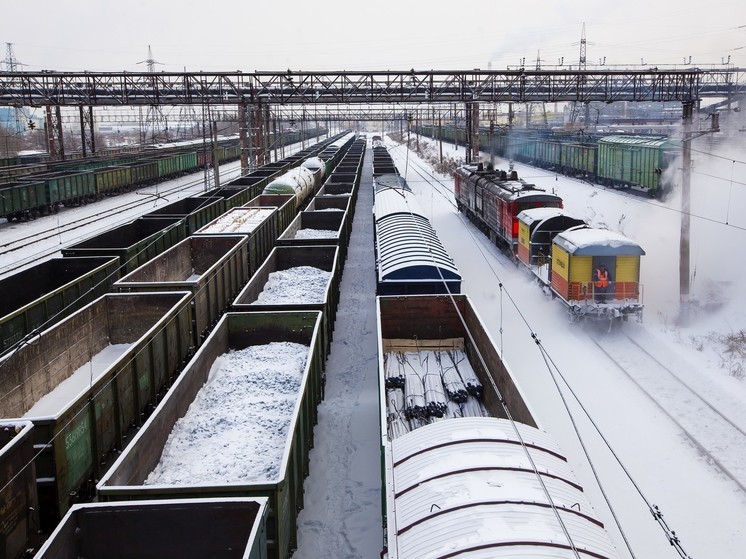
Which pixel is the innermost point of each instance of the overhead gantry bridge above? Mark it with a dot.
(435, 91)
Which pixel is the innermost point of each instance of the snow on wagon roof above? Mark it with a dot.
(597, 242)
(465, 487)
(540, 214)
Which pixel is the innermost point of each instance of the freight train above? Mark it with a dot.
(619, 161)
(410, 258)
(595, 273)
(28, 191)
(140, 336)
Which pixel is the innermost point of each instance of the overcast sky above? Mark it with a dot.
(226, 35)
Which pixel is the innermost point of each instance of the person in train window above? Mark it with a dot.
(601, 283)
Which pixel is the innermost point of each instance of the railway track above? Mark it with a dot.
(719, 437)
(124, 212)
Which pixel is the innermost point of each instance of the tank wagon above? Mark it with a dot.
(87, 382)
(491, 500)
(156, 529)
(19, 514)
(277, 471)
(50, 291)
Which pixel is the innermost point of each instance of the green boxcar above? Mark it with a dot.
(634, 161)
(19, 199)
(235, 331)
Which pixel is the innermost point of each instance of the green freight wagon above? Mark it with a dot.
(66, 187)
(113, 180)
(237, 529)
(283, 483)
(23, 200)
(134, 243)
(635, 161)
(120, 353)
(50, 291)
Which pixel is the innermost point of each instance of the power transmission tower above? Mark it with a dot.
(12, 65)
(529, 107)
(581, 66)
(155, 121)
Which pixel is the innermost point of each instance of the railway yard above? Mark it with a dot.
(662, 424)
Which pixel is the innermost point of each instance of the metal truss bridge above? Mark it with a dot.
(434, 87)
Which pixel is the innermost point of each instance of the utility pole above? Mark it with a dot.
(688, 110)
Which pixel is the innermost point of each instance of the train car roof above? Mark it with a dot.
(466, 488)
(636, 140)
(390, 180)
(540, 214)
(587, 241)
(392, 201)
(407, 248)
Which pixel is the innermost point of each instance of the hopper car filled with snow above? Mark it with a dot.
(457, 433)
(86, 384)
(258, 377)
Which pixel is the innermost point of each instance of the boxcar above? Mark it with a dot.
(235, 331)
(634, 162)
(212, 268)
(19, 513)
(50, 291)
(133, 243)
(185, 528)
(134, 344)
